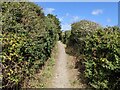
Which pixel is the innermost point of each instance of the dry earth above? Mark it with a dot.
(65, 75)
(58, 73)
(61, 75)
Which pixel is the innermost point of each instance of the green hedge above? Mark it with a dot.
(28, 37)
(65, 36)
(98, 49)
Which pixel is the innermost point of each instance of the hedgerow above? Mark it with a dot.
(28, 37)
(98, 49)
(65, 36)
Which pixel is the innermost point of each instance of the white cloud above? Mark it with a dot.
(76, 18)
(97, 12)
(108, 20)
(49, 10)
(61, 18)
(66, 27)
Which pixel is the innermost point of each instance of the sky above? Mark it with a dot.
(104, 13)
(119, 14)
(74, 0)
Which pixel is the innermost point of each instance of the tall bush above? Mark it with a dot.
(79, 32)
(65, 36)
(98, 49)
(27, 41)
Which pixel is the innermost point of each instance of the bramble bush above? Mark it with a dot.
(28, 37)
(98, 49)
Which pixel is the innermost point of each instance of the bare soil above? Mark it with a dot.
(61, 75)
(58, 72)
(65, 75)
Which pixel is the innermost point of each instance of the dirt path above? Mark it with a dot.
(61, 77)
(59, 72)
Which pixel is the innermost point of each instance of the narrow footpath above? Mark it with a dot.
(61, 77)
(58, 72)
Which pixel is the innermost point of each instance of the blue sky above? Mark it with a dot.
(104, 13)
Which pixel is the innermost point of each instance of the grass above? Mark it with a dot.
(47, 73)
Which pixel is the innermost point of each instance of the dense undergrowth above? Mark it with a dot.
(98, 51)
(65, 36)
(28, 37)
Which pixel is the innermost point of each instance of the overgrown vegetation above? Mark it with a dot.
(28, 37)
(98, 51)
(65, 36)
(43, 77)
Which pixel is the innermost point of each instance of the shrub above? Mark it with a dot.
(98, 49)
(102, 59)
(65, 36)
(28, 37)
(78, 33)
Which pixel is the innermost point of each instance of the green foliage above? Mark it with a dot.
(78, 33)
(99, 51)
(102, 51)
(28, 37)
(65, 36)
(56, 23)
